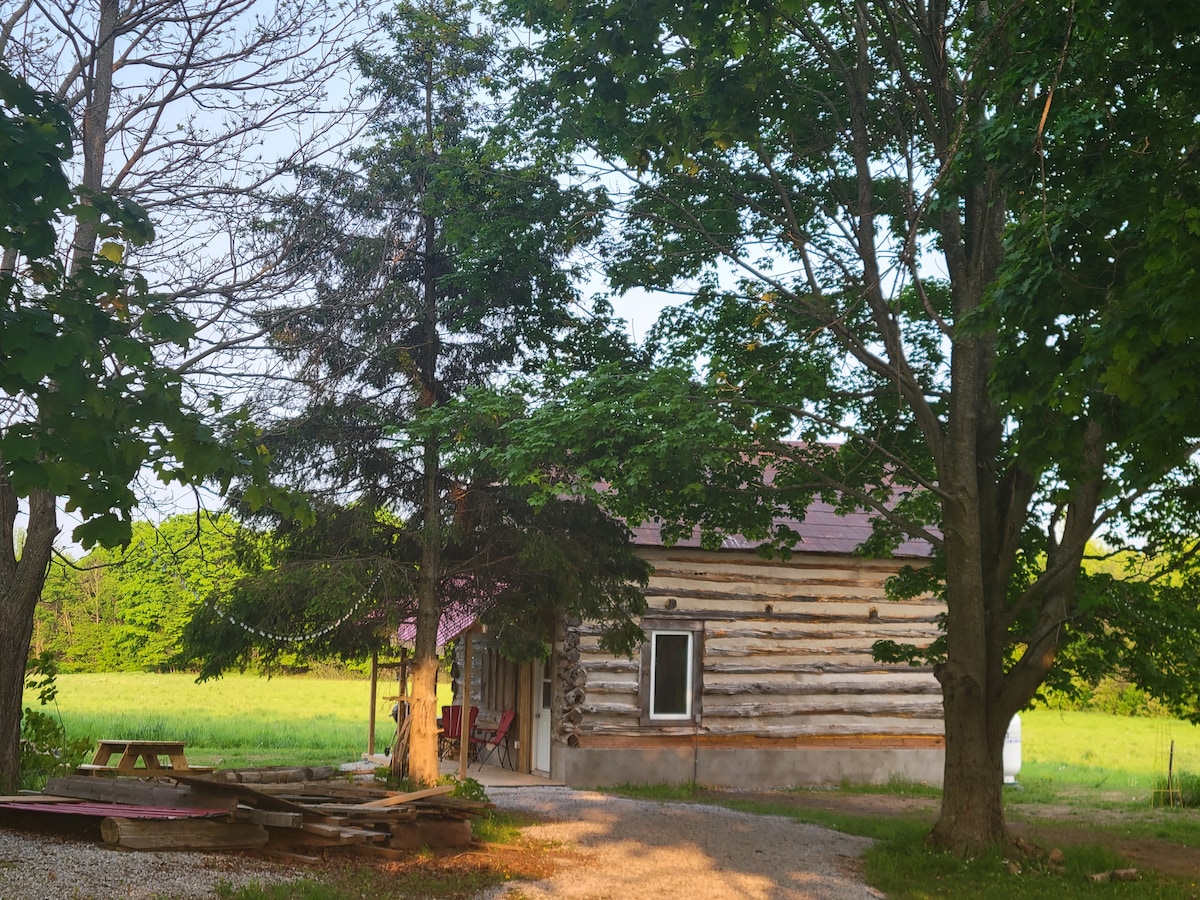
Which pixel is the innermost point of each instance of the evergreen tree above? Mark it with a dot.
(438, 258)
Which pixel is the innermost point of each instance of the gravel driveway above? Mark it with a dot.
(620, 849)
(44, 867)
(638, 848)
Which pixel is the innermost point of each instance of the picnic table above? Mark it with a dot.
(151, 755)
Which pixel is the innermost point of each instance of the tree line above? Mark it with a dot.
(125, 609)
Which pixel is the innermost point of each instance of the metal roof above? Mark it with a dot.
(456, 618)
(824, 530)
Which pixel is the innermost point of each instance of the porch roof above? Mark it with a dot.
(456, 618)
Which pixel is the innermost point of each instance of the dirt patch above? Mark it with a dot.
(1165, 857)
(1045, 825)
(448, 874)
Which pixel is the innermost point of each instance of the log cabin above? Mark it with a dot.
(755, 673)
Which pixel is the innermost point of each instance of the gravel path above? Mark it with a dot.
(42, 867)
(620, 848)
(638, 848)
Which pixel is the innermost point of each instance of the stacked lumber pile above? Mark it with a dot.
(275, 774)
(290, 819)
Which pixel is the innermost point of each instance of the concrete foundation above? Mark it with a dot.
(745, 768)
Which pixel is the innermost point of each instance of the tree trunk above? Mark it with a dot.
(21, 581)
(423, 758)
(972, 813)
(95, 127)
(422, 746)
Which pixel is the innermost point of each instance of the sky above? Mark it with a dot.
(640, 311)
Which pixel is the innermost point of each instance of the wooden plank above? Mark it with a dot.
(181, 834)
(821, 705)
(431, 833)
(925, 685)
(810, 668)
(757, 742)
(278, 774)
(146, 772)
(691, 557)
(396, 799)
(162, 747)
(868, 631)
(923, 707)
(271, 818)
(732, 608)
(722, 614)
(135, 791)
(860, 645)
(611, 687)
(375, 813)
(343, 834)
(245, 792)
(608, 664)
(806, 726)
(357, 792)
(798, 631)
(289, 840)
(612, 709)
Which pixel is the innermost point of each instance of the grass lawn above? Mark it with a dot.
(235, 721)
(1102, 767)
(1104, 752)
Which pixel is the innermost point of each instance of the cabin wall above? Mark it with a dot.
(789, 692)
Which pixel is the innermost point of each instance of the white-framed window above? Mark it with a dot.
(672, 660)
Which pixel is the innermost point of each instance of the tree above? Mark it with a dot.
(84, 403)
(438, 259)
(175, 105)
(945, 249)
(125, 609)
(201, 112)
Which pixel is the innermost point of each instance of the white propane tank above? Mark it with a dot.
(1012, 751)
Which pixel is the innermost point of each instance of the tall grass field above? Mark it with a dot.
(247, 720)
(236, 721)
(1118, 753)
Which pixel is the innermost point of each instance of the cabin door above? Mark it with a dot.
(542, 693)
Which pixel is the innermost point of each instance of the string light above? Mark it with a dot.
(254, 629)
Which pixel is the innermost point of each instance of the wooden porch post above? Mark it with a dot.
(374, 686)
(464, 727)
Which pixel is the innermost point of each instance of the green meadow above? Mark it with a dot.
(234, 721)
(1090, 761)
(245, 720)
(1111, 753)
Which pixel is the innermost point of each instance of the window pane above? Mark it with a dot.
(670, 691)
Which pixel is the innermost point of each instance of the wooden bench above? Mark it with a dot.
(156, 758)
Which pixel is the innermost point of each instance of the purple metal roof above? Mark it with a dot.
(823, 531)
(456, 618)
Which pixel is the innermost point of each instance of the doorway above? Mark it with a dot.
(542, 698)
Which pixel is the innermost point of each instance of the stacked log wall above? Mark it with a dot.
(787, 656)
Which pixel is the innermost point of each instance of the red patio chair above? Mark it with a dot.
(495, 742)
(452, 729)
